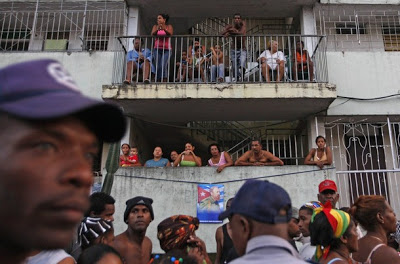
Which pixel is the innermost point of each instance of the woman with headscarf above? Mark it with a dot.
(177, 233)
(334, 234)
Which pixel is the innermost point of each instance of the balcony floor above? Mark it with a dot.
(174, 102)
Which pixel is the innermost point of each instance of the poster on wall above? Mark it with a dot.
(210, 202)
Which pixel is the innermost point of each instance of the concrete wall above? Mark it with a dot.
(364, 75)
(174, 197)
(90, 71)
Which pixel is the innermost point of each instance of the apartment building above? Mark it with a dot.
(351, 97)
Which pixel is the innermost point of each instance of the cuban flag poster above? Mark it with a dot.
(210, 202)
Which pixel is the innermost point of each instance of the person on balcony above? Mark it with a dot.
(303, 66)
(217, 66)
(238, 45)
(219, 159)
(182, 66)
(197, 63)
(320, 156)
(187, 158)
(162, 46)
(158, 160)
(258, 157)
(196, 43)
(272, 62)
(138, 60)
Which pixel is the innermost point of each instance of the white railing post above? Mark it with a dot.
(392, 145)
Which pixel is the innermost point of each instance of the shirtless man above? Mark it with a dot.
(258, 157)
(132, 244)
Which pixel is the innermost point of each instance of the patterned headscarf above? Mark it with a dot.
(91, 228)
(339, 221)
(174, 231)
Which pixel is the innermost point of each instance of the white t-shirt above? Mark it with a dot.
(271, 58)
(47, 257)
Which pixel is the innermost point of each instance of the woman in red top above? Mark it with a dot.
(303, 66)
(162, 46)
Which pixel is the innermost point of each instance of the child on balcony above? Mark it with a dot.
(197, 61)
(133, 157)
(182, 67)
(217, 66)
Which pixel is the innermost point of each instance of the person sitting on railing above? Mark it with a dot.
(238, 46)
(320, 156)
(258, 157)
(272, 62)
(197, 62)
(217, 66)
(182, 67)
(162, 46)
(219, 159)
(303, 66)
(138, 59)
(187, 158)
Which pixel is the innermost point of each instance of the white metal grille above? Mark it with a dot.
(67, 25)
(362, 28)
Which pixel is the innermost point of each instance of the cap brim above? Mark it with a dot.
(224, 214)
(105, 120)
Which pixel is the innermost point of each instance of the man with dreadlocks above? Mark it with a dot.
(133, 244)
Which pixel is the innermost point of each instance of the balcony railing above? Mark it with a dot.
(191, 59)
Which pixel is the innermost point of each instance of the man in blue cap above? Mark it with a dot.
(259, 217)
(49, 136)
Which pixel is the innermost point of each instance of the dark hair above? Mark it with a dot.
(94, 253)
(98, 201)
(316, 140)
(134, 147)
(365, 209)
(307, 209)
(300, 41)
(214, 144)
(189, 143)
(321, 232)
(165, 16)
(257, 139)
(126, 144)
(237, 14)
(196, 48)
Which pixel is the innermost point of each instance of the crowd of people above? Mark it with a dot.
(256, 156)
(150, 59)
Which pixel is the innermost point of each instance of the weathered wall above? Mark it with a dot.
(364, 75)
(172, 196)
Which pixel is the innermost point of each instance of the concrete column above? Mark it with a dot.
(126, 138)
(315, 127)
(308, 27)
(133, 23)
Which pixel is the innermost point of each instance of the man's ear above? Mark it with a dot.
(344, 239)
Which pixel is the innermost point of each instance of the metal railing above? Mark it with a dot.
(366, 157)
(190, 59)
(66, 26)
(359, 27)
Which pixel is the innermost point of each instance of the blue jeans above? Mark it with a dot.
(217, 70)
(161, 61)
(238, 58)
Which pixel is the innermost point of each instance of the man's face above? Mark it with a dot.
(293, 228)
(299, 46)
(215, 194)
(136, 44)
(108, 213)
(139, 218)
(174, 155)
(304, 222)
(46, 175)
(256, 146)
(157, 152)
(237, 20)
(328, 195)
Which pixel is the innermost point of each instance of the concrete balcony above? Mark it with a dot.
(196, 95)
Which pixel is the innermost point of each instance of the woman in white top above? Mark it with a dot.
(274, 61)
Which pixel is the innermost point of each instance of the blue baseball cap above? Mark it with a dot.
(260, 201)
(44, 90)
